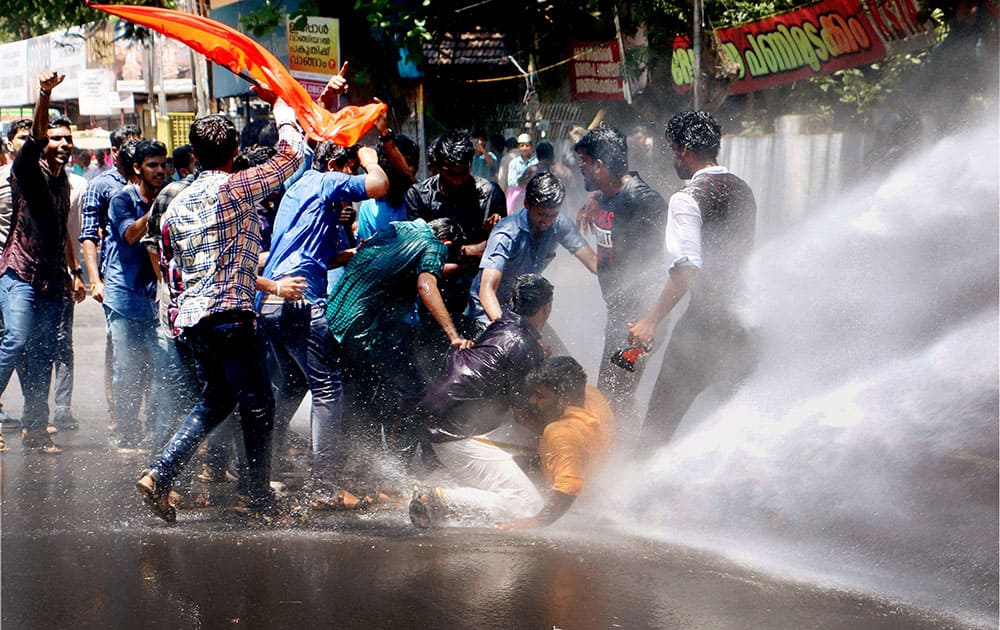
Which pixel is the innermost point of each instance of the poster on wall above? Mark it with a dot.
(314, 52)
(94, 85)
(595, 72)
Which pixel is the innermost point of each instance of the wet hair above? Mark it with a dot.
(60, 121)
(446, 229)
(126, 154)
(399, 183)
(545, 190)
(697, 131)
(147, 149)
(214, 140)
(327, 151)
(182, 156)
(250, 134)
(268, 136)
(253, 156)
(454, 147)
(545, 151)
(123, 133)
(531, 293)
(608, 145)
(18, 125)
(564, 376)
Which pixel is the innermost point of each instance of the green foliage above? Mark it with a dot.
(23, 19)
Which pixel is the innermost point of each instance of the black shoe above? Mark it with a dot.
(7, 421)
(425, 506)
(64, 420)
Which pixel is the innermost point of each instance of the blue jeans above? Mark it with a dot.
(229, 350)
(175, 385)
(63, 385)
(306, 357)
(134, 343)
(31, 317)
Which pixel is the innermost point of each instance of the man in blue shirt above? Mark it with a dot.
(525, 242)
(130, 291)
(305, 238)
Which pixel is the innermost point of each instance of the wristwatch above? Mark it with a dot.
(387, 136)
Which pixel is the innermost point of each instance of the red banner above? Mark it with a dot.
(595, 72)
(819, 39)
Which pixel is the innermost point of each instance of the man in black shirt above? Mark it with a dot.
(480, 387)
(33, 269)
(476, 205)
(628, 218)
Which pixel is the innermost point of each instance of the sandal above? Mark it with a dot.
(342, 500)
(39, 440)
(3, 445)
(156, 498)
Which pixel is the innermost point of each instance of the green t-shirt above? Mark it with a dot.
(379, 285)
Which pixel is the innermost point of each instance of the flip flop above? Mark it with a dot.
(155, 498)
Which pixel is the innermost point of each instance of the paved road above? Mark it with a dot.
(79, 551)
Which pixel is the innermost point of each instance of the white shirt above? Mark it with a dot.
(683, 235)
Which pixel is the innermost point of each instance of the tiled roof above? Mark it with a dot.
(475, 48)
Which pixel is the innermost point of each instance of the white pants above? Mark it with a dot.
(492, 483)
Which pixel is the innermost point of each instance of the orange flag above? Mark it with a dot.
(230, 48)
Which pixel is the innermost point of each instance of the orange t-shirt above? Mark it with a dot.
(571, 446)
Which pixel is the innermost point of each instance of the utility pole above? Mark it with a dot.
(696, 42)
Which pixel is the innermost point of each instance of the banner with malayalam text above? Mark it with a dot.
(824, 37)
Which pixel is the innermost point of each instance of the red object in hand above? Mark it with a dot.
(627, 358)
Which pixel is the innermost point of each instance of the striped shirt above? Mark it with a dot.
(215, 234)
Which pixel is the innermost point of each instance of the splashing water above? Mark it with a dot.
(862, 452)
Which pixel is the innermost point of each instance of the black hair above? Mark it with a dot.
(545, 151)
(126, 155)
(399, 183)
(698, 131)
(146, 149)
(531, 293)
(253, 156)
(182, 156)
(60, 121)
(446, 229)
(214, 140)
(250, 134)
(608, 145)
(545, 190)
(454, 147)
(564, 376)
(123, 133)
(327, 151)
(18, 125)
(268, 136)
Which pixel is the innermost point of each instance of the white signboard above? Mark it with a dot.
(13, 74)
(68, 56)
(94, 86)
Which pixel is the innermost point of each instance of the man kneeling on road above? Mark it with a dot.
(478, 390)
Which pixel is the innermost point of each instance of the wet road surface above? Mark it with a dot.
(80, 551)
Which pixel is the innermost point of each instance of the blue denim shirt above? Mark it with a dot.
(512, 251)
(306, 234)
(129, 283)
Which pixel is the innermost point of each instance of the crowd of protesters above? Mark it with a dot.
(247, 269)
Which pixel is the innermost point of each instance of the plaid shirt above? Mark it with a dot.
(96, 201)
(215, 234)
